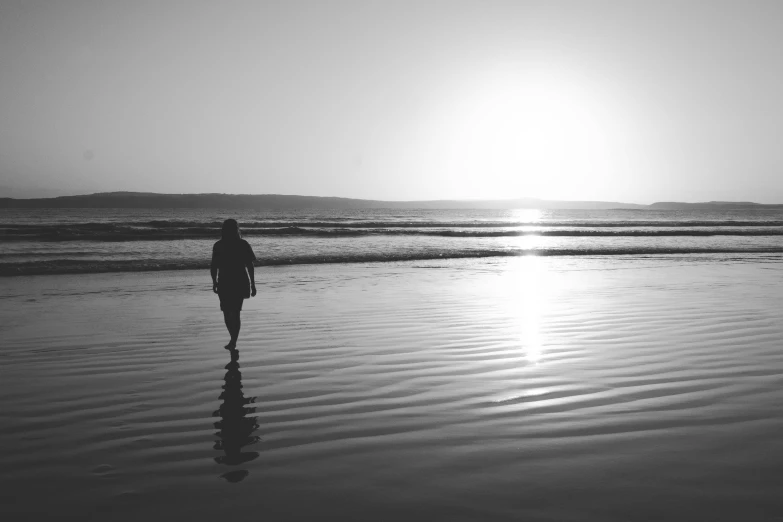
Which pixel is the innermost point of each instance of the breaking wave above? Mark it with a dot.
(89, 241)
(76, 266)
(173, 230)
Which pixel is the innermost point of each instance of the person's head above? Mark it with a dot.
(230, 229)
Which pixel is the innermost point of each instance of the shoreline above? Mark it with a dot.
(60, 267)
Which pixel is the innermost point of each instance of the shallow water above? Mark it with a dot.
(501, 389)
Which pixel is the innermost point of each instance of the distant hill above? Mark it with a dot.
(709, 205)
(285, 202)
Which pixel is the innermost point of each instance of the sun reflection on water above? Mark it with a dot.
(526, 215)
(529, 302)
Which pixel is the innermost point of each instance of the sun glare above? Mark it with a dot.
(529, 302)
(526, 215)
(533, 134)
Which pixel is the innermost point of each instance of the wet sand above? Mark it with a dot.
(502, 389)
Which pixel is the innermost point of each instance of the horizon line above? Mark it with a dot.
(524, 198)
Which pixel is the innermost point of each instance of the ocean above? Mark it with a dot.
(50, 241)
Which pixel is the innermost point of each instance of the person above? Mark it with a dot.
(233, 278)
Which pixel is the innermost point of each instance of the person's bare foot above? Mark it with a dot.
(231, 345)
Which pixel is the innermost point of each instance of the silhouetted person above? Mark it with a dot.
(233, 278)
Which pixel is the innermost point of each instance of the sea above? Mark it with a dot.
(53, 241)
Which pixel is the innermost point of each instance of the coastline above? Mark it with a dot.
(757, 254)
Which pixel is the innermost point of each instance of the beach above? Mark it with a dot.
(515, 261)
(531, 388)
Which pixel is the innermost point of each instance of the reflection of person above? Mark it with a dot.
(236, 426)
(233, 279)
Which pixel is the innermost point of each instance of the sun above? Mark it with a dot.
(538, 133)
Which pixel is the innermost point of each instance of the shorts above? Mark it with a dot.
(231, 302)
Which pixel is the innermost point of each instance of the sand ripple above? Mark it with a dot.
(520, 390)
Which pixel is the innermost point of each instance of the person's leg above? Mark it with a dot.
(237, 325)
(227, 320)
(231, 309)
(228, 317)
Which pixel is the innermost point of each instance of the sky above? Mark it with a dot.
(395, 100)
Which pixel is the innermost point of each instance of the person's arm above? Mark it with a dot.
(251, 270)
(213, 269)
(251, 273)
